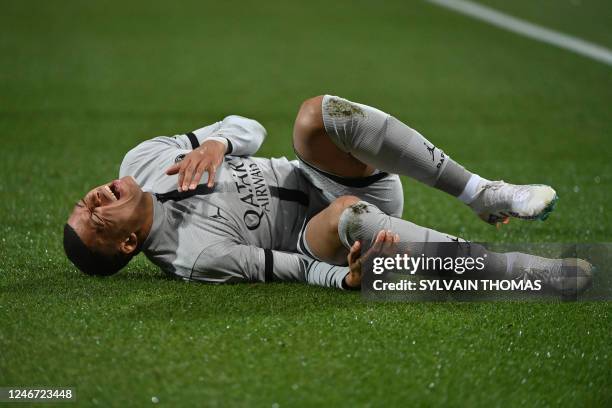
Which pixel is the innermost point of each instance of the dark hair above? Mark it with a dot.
(89, 261)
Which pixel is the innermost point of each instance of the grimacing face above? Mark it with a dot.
(108, 217)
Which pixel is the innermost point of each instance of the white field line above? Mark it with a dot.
(522, 27)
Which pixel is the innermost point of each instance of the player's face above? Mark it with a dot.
(108, 215)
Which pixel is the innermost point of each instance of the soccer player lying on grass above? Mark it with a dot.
(201, 208)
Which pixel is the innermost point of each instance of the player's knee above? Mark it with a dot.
(308, 124)
(311, 107)
(338, 206)
(345, 201)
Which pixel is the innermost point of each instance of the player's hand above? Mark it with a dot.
(205, 158)
(384, 245)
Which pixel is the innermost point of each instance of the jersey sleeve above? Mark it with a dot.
(285, 268)
(233, 263)
(148, 161)
(244, 135)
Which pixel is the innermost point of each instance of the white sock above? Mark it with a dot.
(382, 141)
(472, 188)
(362, 222)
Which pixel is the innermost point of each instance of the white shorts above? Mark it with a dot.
(381, 189)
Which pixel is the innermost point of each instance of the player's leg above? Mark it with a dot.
(336, 173)
(369, 136)
(330, 234)
(320, 238)
(314, 146)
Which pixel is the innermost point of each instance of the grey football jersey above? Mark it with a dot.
(245, 228)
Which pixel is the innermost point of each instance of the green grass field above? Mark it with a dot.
(82, 82)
